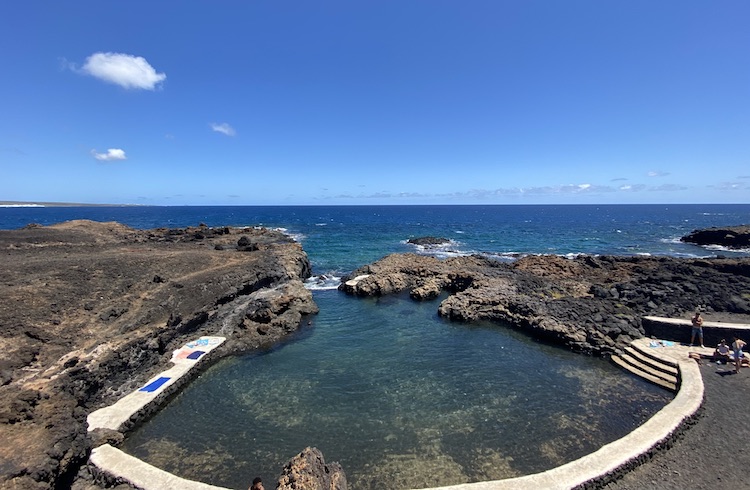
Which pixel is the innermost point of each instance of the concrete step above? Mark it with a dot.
(652, 361)
(649, 353)
(636, 364)
(631, 366)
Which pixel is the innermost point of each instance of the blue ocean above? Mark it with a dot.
(341, 238)
(398, 396)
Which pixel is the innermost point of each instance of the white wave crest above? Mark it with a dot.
(323, 282)
(297, 237)
(441, 251)
(721, 248)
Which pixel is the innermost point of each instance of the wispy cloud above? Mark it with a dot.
(668, 188)
(657, 173)
(223, 128)
(632, 187)
(731, 186)
(564, 189)
(113, 154)
(565, 192)
(125, 70)
(569, 189)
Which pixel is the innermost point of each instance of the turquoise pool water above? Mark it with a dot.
(400, 397)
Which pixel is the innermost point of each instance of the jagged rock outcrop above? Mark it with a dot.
(91, 310)
(591, 304)
(309, 471)
(730, 237)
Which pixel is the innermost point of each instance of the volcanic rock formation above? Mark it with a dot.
(730, 237)
(91, 310)
(590, 304)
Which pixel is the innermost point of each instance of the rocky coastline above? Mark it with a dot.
(589, 304)
(92, 310)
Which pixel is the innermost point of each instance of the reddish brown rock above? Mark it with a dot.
(309, 471)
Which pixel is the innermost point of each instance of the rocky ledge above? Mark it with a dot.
(734, 237)
(590, 304)
(91, 310)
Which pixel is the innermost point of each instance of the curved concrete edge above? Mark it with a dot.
(115, 465)
(590, 471)
(605, 464)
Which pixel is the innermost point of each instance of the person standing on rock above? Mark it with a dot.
(737, 347)
(697, 328)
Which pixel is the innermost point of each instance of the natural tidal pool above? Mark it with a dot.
(400, 397)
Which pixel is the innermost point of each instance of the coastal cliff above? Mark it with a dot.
(91, 310)
(590, 304)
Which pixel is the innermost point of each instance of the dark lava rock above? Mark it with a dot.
(589, 304)
(428, 241)
(730, 237)
(116, 321)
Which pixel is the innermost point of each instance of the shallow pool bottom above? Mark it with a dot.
(398, 395)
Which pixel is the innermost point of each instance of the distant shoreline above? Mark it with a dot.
(50, 204)
(40, 204)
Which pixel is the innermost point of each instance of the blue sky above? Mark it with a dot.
(375, 102)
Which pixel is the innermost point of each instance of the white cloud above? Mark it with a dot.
(731, 186)
(125, 70)
(223, 128)
(657, 174)
(112, 154)
(668, 188)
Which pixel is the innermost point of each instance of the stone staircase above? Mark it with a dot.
(658, 370)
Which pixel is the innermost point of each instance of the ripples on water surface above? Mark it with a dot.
(400, 398)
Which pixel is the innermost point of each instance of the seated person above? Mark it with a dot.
(722, 352)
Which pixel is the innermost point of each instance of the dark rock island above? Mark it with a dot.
(734, 237)
(428, 241)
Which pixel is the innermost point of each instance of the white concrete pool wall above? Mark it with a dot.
(121, 415)
(599, 466)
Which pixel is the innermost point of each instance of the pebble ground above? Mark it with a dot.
(714, 453)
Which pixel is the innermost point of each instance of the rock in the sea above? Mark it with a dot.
(428, 241)
(730, 236)
(309, 471)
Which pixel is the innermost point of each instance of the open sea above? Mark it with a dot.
(400, 397)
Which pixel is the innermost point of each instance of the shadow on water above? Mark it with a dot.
(395, 393)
